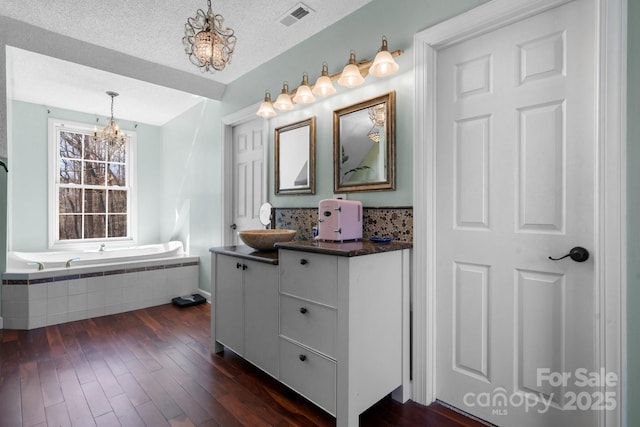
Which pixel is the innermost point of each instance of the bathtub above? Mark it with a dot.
(96, 283)
(20, 262)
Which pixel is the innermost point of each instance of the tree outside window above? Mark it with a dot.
(92, 185)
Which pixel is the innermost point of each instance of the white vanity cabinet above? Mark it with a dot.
(329, 320)
(244, 314)
(344, 328)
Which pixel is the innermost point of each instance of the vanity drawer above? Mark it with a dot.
(309, 324)
(309, 276)
(310, 374)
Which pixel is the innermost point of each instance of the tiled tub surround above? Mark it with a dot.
(396, 222)
(41, 298)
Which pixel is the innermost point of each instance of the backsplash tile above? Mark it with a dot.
(396, 223)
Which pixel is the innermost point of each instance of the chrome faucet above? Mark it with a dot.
(69, 261)
(102, 246)
(39, 264)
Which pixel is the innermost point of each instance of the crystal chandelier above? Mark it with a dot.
(207, 42)
(377, 115)
(111, 133)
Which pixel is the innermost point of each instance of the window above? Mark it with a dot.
(91, 193)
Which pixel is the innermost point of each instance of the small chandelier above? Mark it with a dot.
(111, 134)
(377, 115)
(207, 42)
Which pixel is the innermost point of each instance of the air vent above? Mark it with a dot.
(295, 14)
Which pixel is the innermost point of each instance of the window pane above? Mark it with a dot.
(70, 145)
(70, 171)
(118, 152)
(116, 175)
(117, 225)
(70, 227)
(94, 150)
(94, 226)
(70, 200)
(94, 201)
(94, 173)
(117, 201)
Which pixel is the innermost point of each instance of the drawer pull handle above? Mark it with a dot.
(302, 357)
(304, 261)
(303, 310)
(238, 265)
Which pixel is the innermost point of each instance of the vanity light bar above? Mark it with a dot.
(382, 65)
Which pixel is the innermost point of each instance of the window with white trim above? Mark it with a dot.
(92, 192)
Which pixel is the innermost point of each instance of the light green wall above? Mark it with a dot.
(191, 190)
(633, 214)
(361, 31)
(193, 174)
(28, 179)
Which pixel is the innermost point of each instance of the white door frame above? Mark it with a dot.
(228, 122)
(610, 191)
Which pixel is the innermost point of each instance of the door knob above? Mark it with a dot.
(578, 254)
(233, 226)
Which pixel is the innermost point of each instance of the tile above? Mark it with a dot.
(95, 312)
(57, 305)
(57, 289)
(72, 316)
(38, 308)
(77, 287)
(21, 293)
(56, 319)
(113, 309)
(131, 305)
(96, 284)
(95, 300)
(7, 292)
(20, 310)
(38, 292)
(77, 302)
(393, 222)
(16, 323)
(37, 322)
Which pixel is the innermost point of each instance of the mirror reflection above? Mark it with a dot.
(295, 158)
(364, 145)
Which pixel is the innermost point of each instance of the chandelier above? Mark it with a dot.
(207, 42)
(377, 115)
(111, 133)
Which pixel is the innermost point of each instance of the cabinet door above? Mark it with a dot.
(261, 315)
(229, 308)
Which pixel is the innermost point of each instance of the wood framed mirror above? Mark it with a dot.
(364, 145)
(295, 158)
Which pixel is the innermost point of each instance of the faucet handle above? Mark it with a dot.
(39, 264)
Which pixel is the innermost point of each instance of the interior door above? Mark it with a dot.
(249, 175)
(515, 183)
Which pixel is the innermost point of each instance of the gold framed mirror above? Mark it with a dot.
(295, 158)
(364, 145)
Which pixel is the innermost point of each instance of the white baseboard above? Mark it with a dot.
(205, 294)
(1, 324)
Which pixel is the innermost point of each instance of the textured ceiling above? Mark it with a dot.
(153, 31)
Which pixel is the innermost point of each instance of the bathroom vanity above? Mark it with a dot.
(329, 320)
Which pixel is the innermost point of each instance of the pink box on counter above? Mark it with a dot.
(339, 220)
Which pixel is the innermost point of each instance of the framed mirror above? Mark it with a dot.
(295, 158)
(364, 145)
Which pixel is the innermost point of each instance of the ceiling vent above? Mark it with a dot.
(295, 14)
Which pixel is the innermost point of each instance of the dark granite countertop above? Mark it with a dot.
(246, 252)
(348, 249)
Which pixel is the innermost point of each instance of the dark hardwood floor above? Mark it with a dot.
(153, 367)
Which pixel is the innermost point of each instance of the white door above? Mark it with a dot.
(515, 180)
(249, 175)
